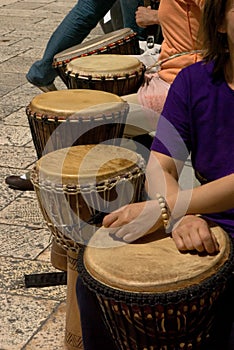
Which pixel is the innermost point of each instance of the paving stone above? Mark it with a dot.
(13, 64)
(45, 255)
(6, 53)
(15, 136)
(7, 195)
(22, 242)
(17, 98)
(23, 7)
(18, 118)
(52, 333)
(20, 157)
(6, 108)
(12, 80)
(5, 89)
(6, 2)
(20, 319)
(24, 211)
(5, 40)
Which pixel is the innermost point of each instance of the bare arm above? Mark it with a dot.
(191, 232)
(135, 220)
(213, 197)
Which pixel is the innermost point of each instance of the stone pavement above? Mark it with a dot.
(31, 318)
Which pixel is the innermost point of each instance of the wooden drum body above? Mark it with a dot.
(154, 297)
(60, 119)
(73, 332)
(118, 74)
(76, 186)
(122, 42)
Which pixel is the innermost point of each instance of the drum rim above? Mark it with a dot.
(97, 47)
(78, 117)
(119, 76)
(126, 73)
(35, 111)
(191, 292)
(133, 172)
(133, 167)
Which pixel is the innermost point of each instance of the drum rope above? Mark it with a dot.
(159, 63)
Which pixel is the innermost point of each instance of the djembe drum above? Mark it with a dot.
(118, 74)
(122, 42)
(154, 297)
(75, 187)
(63, 118)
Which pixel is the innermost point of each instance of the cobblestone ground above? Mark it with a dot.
(31, 318)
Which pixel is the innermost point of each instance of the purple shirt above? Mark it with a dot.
(201, 111)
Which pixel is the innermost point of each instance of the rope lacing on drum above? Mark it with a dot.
(159, 63)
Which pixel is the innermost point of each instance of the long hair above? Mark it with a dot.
(215, 43)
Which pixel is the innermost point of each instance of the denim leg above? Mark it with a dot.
(129, 8)
(74, 28)
(94, 333)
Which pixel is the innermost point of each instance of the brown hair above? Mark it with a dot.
(215, 43)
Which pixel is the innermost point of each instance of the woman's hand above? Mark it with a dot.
(145, 16)
(193, 233)
(134, 220)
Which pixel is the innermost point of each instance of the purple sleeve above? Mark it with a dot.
(173, 130)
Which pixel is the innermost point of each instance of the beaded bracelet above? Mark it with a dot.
(165, 210)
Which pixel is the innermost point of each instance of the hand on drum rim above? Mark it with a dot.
(138, 219)
(133, 221)
(194, 233)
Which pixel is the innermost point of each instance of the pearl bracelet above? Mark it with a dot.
(165, 210)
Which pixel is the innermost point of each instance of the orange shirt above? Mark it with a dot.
(180, 20)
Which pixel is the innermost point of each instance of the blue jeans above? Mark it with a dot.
(74, 28)
(129, 8)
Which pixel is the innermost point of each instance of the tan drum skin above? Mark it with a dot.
(151, 265)
(63, 118)
(122, 42)
(154, 297)
(118, 74)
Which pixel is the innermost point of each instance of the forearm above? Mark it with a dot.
(214, 197)
(161, 178)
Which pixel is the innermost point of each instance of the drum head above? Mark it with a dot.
(75, 102)
(97, 66)
(152, 264)
(77, 186)
(93, 46)
(87, 164)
